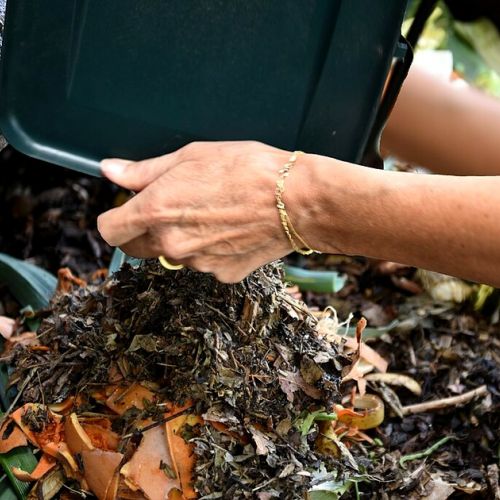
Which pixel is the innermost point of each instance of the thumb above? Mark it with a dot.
(134, 175)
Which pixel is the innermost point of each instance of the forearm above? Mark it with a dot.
(442, 223)
(449, 129)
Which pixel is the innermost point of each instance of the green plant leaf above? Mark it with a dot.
(30, 285)
(484, 37)
(304, 424)
(315, 281)
(330, 490)
(24, 459)
(6, 490)
(6, 394)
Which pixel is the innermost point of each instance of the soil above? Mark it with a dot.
(48, 216)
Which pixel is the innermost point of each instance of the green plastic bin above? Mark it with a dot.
(82, 80)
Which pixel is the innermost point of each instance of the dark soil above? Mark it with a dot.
(449, 349)
(48, 214)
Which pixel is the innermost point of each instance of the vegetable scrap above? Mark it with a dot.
(171, 385)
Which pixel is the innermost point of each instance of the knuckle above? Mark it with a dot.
(150, 210)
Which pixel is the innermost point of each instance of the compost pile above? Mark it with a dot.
(246, 357)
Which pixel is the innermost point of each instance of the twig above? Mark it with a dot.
(439, 404)
(425, 453)
(158, 422)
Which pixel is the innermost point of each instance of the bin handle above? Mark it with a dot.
(371, 156)
(399, 72)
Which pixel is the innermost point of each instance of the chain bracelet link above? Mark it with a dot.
(298, 243)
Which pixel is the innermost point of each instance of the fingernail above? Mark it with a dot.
(114, 166)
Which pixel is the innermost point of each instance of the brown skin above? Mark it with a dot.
(211, 207)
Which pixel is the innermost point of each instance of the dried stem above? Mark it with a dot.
(439, 404)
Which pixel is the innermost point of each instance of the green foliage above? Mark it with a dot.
(24, 459)
(475, 46)
(333, 489)
(484, 37)
(330, 490)
(305, 423)
(30, 285)
(6, 490)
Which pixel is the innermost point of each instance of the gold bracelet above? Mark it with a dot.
(297, 242)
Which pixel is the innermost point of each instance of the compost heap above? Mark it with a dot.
(199, 388)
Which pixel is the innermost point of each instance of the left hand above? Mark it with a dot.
(209, 206)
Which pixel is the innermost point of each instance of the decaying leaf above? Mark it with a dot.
(396, 379)
(49, 485)
(362, 352)
(263, 444)
(293, 381)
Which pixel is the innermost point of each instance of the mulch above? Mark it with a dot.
(47, 215)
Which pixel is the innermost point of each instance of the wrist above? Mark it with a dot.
(305, 202)
(334, 204)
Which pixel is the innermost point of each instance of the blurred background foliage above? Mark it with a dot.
(473, 39)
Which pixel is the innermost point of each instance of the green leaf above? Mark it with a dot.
(6, 394)
(315, 281)
(24, 459)
(304, 424)
(330, 490)
(30, 285)
(6, 490)
(484, 37)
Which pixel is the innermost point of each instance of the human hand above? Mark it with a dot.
(209, 206)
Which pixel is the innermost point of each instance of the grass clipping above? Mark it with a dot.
(247, 356)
